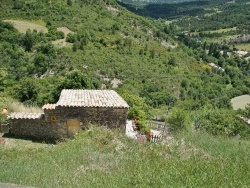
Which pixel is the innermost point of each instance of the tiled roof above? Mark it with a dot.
(49, 106)
(19, 115)
(91, 98)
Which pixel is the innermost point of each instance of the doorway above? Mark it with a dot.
(73, 127)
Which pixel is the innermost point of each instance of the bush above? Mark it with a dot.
(178, 119)
(138, 107)
(221, 122)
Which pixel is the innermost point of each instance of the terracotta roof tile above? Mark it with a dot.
(19, 115)
(49, 106)
(91, 98)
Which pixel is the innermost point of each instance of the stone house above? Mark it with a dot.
(74, 110)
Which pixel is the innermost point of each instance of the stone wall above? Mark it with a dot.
(111, 117)
(37, 128)
(53, 124)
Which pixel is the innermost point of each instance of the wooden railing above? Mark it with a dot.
(155, 138)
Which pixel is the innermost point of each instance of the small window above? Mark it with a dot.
(53, 118)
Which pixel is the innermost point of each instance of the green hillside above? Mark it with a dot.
(166, 70)
(108, 47)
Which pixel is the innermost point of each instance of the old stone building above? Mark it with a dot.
(73, 112)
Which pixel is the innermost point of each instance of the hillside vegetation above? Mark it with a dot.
(104, 158)
(150, 66)
(165, 70)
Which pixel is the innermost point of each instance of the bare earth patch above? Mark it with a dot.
(115, 82)
(65, 30)
(62, 42)
(113, 10)
(167, 44)
(23, 26)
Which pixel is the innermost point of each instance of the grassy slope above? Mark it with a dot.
(104, 158)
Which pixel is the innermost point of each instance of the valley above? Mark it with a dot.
(181, 63)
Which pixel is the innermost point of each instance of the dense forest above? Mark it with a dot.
(161, 71)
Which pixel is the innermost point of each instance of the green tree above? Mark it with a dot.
(178, 119)
(246, 112)
(138, 108)
(173, 61)
(27, 90)
(221, 122)
(28, 40)
(74, 80)
(3, 75)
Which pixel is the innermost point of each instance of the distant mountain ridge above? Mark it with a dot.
(159, 1)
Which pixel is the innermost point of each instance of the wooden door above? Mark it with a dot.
(73, 126)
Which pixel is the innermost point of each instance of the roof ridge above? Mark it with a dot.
(91, 98)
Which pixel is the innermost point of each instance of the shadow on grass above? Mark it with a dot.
(33, 139)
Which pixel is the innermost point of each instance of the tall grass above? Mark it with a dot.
(19, 107)
(106, 158)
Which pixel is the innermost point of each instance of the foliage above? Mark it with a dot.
(156, 62)
(2, 104)
(221, 122)
(144, 129)
(26, 91)
(74, 80)
(245, 113)
(138, 108)
(28, 40)
(178, 119)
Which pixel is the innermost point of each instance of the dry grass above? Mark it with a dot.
(240, 102)
(243, 46)
(23, 26)
(19, 107)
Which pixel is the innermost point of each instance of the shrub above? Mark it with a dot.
(221, 122)
(178, 119)
(138, 107)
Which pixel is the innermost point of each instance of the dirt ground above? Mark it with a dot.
(65, 30)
